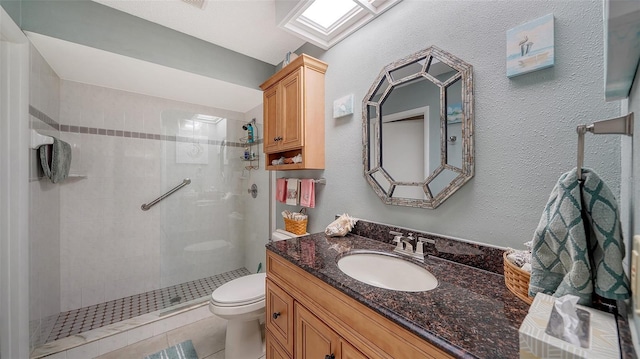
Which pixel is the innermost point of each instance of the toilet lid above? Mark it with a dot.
(243, 290)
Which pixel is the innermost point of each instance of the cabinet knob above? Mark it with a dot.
(275, 139)
(332, 356)
(275, 315)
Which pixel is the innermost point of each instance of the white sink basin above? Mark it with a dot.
(387, 271)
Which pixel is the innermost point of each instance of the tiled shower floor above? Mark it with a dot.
(103, 314)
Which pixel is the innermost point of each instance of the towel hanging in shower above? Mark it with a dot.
(577, 246)
(56, 161)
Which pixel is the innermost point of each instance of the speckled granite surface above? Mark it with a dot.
(473, 254)
(471, 314)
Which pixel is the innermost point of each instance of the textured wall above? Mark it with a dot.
(524, 127)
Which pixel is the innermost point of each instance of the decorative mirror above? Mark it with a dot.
(418, 129)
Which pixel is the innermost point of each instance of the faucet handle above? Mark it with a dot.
(397, 239)
(397, 236)
(426, 240)
(420, 244)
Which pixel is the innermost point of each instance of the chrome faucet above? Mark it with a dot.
(406, 245)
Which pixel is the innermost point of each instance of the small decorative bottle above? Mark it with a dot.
(250, 133)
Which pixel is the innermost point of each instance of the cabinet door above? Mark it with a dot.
(279, 308)
(348, 351)
(314, 339)
(270, 110)
(291, 117)
(273, 349)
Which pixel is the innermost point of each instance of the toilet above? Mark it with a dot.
(242, 303)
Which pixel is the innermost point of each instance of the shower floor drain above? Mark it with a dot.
(175, 300)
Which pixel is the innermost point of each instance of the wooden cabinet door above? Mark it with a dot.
(270, 110)
(273, 349)
(279, 319)
(348, 351)
(291, 116)
(314, 339)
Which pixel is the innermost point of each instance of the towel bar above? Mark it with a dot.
(145, 207)
(320, 180)
(622, 125)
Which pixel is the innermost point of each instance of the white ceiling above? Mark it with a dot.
(89, 65)
(245, 26)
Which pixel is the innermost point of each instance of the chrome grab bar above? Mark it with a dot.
(145, 207)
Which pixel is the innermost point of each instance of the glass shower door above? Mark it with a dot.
(202, 223)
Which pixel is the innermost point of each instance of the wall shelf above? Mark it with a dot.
(251, 157)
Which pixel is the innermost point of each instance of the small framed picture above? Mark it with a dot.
(343, 106)
(530, 46)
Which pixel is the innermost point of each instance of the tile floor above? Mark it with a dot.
(207, 335)
(96, 316)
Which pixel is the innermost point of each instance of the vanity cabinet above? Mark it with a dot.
(294, 114)
(328, 323)
(314, 339)
(273, 349)
(279, 319)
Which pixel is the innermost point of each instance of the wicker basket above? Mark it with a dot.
(295, 227)
(516, 280)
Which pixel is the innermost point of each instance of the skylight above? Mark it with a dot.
(324, 23)
(327, 13)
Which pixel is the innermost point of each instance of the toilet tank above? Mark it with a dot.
(281, 234)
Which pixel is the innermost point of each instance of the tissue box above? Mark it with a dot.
(536, 343)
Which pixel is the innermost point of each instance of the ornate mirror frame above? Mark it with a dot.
(378, 178)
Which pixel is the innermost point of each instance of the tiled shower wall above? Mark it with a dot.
(126, 154)
(44, 203)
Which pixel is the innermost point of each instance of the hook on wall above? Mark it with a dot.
(38, 140)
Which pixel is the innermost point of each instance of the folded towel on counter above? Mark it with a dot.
(308, 193)
(55, 160)
(519, 258)
(293, 191)
(577, 246)
(281, 190)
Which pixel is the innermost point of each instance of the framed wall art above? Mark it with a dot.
(530, 46)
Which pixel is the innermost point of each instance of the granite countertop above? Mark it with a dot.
(470, 314)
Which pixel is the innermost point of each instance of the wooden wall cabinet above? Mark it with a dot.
(326, 323)
(294, 114)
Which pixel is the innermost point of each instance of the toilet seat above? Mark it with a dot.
(239, 292)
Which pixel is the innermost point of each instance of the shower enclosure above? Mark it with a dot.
(119, 261)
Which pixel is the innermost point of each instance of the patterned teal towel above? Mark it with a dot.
(560, 262)
(184, 350)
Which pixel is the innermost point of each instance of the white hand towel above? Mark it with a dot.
(293, 191)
